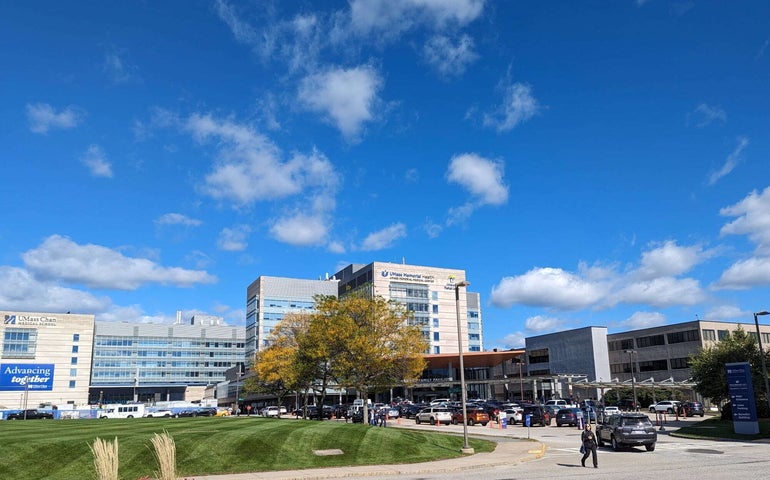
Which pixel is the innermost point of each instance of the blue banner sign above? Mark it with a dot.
(26, 376)
(741, 391)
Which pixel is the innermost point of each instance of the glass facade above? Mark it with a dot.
(185, 355)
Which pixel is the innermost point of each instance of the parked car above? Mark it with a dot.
(627, 430)
(223, 412)
(31, 414)
(159, 414)
(492, 410)
(626, 405)
(271, 411)
(513, 414)
(198, 412)
(589, 413)
(475, 415)
(434, 415)
(568, 416)
(312, 411)
(357, 415)
(665, 406)
(538, 415)
(392, 412)
(693, 408)
(410, 411)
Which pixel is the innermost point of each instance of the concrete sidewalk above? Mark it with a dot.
(509, 451)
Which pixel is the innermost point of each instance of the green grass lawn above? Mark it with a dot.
(60, 449)
(715, 428)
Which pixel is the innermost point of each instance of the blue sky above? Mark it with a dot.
(587, 163)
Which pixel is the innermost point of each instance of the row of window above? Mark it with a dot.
(161, 342)
(650, 366)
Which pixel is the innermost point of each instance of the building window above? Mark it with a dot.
(539, 356)
(722, 334)
(474, 336)
(435, 323)
(436, 350)
(651, 341)
(19, 343)
(74, 361)
(653, 366)
(681, 337)
(709, 335)
(435, 308)
(73, 372)
(72, 383)
(74, 349)
(76, 337)
(435, 336)
(679, 363)
(434, 296)
(615, 345)
(474, 348)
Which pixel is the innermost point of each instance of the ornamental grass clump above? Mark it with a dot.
(105, 459)
(165, 454)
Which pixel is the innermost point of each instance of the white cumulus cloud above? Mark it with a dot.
(384, 238)
(518, 106)
(96, 160)
(60, 259)
(547, 287)
(447, 56)
(347, 98)
(42, 117)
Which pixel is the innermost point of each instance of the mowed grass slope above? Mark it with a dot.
(60, 449)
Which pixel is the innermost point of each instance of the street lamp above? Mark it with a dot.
(762, 355)
(237, 392)
(631, 354)
(466, 448)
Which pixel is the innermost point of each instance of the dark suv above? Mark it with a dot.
(627, 430)
(693, 408)
(538, 415)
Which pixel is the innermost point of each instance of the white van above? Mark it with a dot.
(123, 411)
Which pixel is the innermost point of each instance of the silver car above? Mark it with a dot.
(434, 415)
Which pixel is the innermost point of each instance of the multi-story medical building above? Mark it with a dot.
(46, 359)
(429, 294)
(269, 299)
(155, 362)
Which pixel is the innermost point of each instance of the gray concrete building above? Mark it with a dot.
(558, 363)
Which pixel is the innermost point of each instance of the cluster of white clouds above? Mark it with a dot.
(659, 280)
(59, 261)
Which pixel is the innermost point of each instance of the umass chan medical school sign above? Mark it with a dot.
(26, 376)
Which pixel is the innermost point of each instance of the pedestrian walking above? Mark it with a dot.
(383, 417)
(589, 446)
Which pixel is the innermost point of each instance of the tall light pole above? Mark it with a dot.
(466, 448)
(762, 355)
(237, 390)
(631, 354)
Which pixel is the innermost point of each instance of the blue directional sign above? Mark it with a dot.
(741, 392)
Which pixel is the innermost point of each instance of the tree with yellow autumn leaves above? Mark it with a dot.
(361, 342)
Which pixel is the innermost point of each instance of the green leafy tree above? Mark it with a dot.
(708, 367)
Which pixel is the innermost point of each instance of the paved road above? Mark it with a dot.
(673, 458)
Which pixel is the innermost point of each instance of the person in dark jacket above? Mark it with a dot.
(589, 445)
